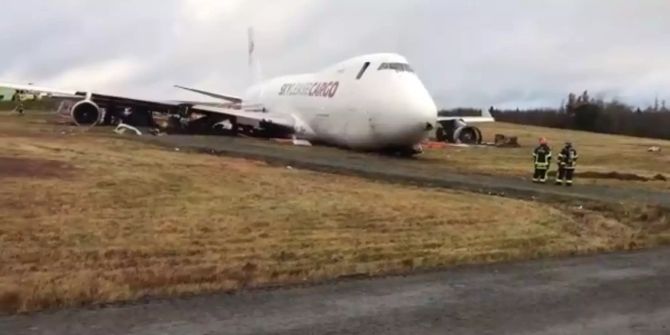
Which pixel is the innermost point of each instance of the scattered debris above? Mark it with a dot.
(506, 142)
(122, 128)
(224, 125)
(292, 141)
(176, 149)
(300, 142)
(433, 145)
(654, 149)
(156, 132)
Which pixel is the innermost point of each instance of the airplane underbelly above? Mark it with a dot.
(349, 128)
(358, 132)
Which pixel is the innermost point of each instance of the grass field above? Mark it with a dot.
(600, 154)
(88, 219)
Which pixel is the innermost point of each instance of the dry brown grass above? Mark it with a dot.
(135, 221)
(599, 153)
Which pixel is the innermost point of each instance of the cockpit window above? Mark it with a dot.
(362, 71)
(398, 67)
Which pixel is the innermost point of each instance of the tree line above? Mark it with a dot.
(585, 113)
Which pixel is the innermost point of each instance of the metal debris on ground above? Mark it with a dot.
(505, 141)
(434, 145)
(122, 128)
(292, 141)
(303, 143)
(156, 132)
(459, 145)
(654, 149)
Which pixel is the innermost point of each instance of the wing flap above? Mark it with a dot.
(255, 116)
(211, 94)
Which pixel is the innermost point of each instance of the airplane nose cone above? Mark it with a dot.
(418, 107)
(409, 119)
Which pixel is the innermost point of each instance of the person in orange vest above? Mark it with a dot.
(541, 161)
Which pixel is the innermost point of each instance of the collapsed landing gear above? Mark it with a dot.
(406, 152)
(213, 126)
(139, 118)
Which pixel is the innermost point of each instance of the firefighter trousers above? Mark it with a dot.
(565, 176)
(540, 175)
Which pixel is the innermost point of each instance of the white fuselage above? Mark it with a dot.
(384, 106)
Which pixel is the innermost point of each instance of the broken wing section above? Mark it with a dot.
(259, 124)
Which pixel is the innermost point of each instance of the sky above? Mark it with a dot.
(476, 53)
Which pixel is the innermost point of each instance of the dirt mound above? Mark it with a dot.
(34, 168)
(619, 176)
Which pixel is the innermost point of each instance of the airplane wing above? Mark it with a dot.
(467, 119)
(40, 89)
(486, 117)
(213, 95)
(253, 116)
(91, 114)
(102, 100)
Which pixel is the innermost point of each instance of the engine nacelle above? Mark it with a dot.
(458, 132)
(86, 113)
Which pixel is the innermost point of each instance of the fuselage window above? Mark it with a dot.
(398, 67)
(362, 71)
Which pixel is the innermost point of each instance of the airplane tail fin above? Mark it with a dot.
(487, 113)
(254, 65)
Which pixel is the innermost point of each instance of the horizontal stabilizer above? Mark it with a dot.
(211, 94)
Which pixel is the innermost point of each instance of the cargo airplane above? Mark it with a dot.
(374, 102)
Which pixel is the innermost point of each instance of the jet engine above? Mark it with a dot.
(86, 113)
(456, 131)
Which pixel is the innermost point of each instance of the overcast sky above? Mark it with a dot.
(506, 53)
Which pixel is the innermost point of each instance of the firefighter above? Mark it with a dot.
(18, 102)
(541, 161)
(567, 160)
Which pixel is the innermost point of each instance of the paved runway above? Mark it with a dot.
(606, 294)
(414, 171)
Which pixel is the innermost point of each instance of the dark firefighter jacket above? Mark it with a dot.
(542, 156)
(567, 159)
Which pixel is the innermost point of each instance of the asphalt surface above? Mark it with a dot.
(414, 171)
(606, 294)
